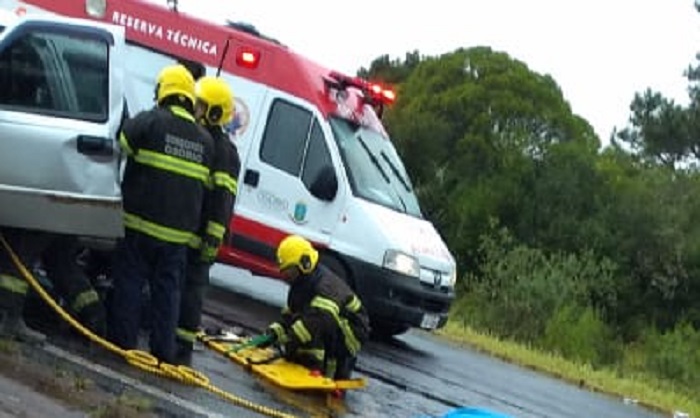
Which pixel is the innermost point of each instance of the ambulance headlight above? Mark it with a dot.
(402, 263)
(453, 279)
(96, 8)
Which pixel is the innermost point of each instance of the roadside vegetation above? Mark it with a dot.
(576, 256)
(629, 387)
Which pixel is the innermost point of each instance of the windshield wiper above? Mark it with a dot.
(373, 159)
(396, 172)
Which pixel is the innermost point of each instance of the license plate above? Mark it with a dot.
(430, 321)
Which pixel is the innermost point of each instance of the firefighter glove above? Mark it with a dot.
(263, 340)
(277, 333)
(209, 249)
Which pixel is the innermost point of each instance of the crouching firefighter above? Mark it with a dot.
(214, 108)
(324, 324)
(71, 283)
(13, 288)
(57, 254)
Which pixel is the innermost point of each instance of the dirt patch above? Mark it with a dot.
(68, 388)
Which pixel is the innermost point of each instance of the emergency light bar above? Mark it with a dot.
(374, 94)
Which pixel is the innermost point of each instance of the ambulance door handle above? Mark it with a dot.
(251, 177)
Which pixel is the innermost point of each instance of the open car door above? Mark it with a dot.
(61, 105)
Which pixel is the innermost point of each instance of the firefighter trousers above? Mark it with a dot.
(72, 284)
(141, 259)
(193, 292)
(13, 287)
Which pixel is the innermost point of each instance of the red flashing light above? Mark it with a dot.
(381, 94)
(375, 94)
(247, 57)
(389, 95)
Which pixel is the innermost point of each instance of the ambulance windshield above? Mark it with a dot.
(374, 168)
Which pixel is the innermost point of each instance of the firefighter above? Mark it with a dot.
(71, 283)
(13, 288)
(214, 108)
(57, 254)
(324, 324)
(168, 168)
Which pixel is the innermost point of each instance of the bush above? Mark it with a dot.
(674, 355)
(579, 334)
(519, 288)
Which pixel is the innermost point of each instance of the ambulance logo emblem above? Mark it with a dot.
(241, 119)
(299, 215)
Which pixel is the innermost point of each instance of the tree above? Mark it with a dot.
(391, 71)
(470, 126)
(663, 131)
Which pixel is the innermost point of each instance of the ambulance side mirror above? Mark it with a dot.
(325, 185)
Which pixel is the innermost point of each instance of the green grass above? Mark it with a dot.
(649, 391)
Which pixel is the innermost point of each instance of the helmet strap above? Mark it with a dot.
(305, 263)
(214, 114)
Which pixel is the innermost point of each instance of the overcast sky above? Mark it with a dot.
(600, 52)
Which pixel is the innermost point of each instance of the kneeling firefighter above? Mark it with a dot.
(324, 324)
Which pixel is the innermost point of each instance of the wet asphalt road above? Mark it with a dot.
(414, 375)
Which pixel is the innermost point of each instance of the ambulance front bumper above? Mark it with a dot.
(400, 299)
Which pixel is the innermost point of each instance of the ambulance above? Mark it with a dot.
(316, 159)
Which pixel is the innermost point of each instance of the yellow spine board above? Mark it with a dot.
(279, 371)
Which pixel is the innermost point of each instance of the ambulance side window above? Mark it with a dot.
(317, 156)
(285, 136)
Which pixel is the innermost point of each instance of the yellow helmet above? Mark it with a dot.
(295, 251)
(217, 95)
(175, 80)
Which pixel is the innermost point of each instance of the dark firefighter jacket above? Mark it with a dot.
(321, 311)
(168, 170)
(219, 200)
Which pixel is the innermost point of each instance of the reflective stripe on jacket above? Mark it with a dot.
(169, 169)
(320, 308)
(220, 198)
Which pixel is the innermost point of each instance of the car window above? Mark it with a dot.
(89, 73)
(57, 75)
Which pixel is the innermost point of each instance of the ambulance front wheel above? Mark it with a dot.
(384, 329)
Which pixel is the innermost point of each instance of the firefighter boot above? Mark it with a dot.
(183, 353)
(12, 326)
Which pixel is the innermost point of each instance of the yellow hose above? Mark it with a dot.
(141, 359)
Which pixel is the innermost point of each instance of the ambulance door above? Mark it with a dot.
(61, 105)
(289, 181)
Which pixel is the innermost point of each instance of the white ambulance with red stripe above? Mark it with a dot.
(316, 160)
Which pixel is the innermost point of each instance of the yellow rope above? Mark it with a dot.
(141, 359)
